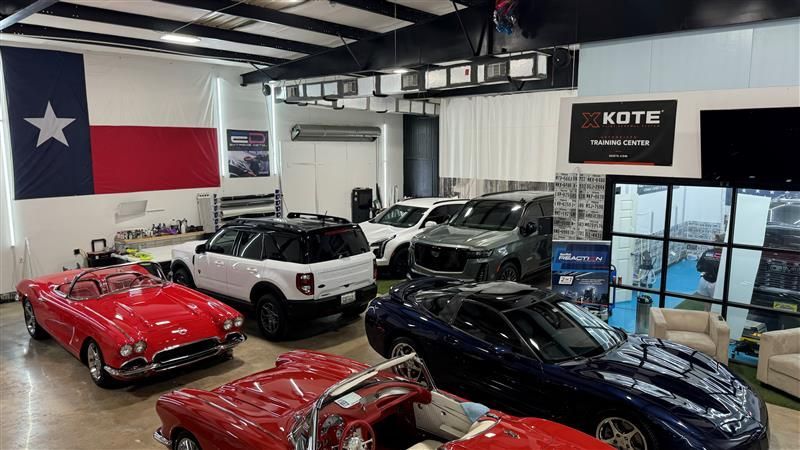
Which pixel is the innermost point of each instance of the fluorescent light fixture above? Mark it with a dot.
(222, 137)
(401, 70)
(180, 38)
(385, 151)
(5, 161)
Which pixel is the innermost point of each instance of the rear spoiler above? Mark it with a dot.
(322, 217)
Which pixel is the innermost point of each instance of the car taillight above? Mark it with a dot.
(374, 270)
(305, 283)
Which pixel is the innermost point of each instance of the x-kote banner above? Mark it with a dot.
(623, 132)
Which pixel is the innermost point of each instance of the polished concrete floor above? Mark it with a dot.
(47, 400)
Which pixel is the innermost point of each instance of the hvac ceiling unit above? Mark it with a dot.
(336, 89)
(334, 133)
(398, 83)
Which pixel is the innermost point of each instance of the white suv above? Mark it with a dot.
(390, 232)
(303, 266)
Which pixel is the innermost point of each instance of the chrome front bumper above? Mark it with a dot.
(234, 339)
(161, 439)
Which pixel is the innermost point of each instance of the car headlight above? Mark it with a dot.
(237, 322)
(126, 350)
(139, 347)
(477, 254)
(379, 247)
(227, 325)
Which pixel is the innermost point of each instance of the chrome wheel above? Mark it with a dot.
(94, 361)
(270, 319)
(186, 443)
(30, 319)
(411, 370)
(509, 273)
(621, 433)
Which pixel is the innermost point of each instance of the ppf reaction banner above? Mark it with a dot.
(640, 133)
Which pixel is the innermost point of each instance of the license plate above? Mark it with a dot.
(350, 297)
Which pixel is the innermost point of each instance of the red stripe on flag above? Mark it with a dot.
(132, 158)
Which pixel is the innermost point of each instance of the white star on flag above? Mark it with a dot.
(50, 126)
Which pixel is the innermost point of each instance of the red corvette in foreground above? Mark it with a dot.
(124, 322)
(315, 401)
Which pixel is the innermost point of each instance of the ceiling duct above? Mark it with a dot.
(334, 133)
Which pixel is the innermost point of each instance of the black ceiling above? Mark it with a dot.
(418, 38)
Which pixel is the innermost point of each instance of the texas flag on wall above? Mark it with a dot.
(60, 148)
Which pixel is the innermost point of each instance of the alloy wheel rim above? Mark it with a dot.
(508, 274)
(30, 319)
(180, 278)
(411, 369)
(187, 444)
(621, 433)
(269, 318)
(94, 362)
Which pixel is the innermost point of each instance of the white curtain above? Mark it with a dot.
(504, 137)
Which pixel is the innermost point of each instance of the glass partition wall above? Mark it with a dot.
(690, 244)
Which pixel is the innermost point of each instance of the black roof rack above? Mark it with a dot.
(450, 200)
(322, 217)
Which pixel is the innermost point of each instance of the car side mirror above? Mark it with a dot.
(430, 224)
(529, 229)
(544, 226)
(200, 249)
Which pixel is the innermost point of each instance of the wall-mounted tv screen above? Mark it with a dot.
(752, 145)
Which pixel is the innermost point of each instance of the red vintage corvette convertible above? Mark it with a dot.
(315, 401)
(127, 321)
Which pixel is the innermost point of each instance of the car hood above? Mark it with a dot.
(272, 398)
(376, 232)
(154, 311)
(682, 380)
(470, 237)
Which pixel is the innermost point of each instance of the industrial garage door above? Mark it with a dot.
(319, 176)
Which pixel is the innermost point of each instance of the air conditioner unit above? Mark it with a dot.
(334, 133)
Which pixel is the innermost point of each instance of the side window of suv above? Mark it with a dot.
(223, 242)
(547, 208)
(251, 245)
(442, 214)
(486, 325)
(532, 212)
(283, 247)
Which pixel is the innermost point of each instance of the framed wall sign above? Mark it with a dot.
(641, 133)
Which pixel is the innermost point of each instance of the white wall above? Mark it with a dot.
(55, 226)
(388, 148)
(686, 161)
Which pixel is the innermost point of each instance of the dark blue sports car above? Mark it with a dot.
(533, 353)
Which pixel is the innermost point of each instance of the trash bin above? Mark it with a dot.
(643, 304)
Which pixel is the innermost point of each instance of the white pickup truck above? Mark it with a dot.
(300, 267)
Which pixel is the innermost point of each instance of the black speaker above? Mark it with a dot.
(361, 204)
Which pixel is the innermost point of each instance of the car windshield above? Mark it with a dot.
(497, 215)
(336, 243)
(402, 216)
(98, 282)
(561, 331)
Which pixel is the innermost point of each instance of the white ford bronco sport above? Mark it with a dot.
(300, 267)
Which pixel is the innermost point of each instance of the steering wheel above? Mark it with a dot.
(358, 435)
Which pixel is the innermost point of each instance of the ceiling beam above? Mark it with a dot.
(542, 24)
(85, 37)
(108, 16)
(278, 17)
(389, 9)
(22, 11)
